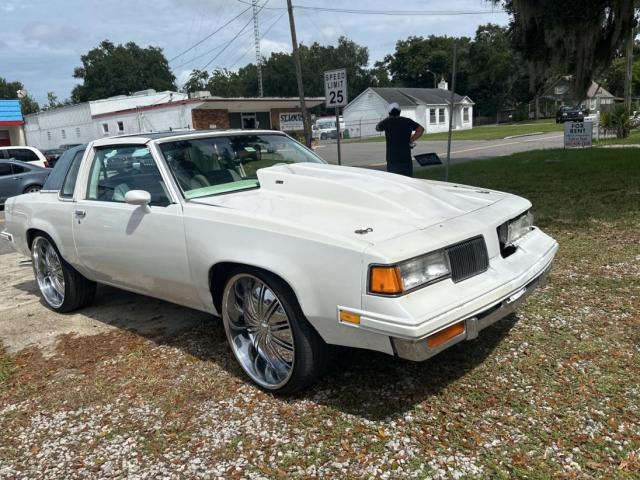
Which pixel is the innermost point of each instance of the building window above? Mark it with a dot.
(465, 114)
(441, 115)
(49, 136)
(78, 132)
(63, 134)
(120, 127)
(105, 128)
(432, 116)
(249, 120)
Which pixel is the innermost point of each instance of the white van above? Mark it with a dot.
(24, 154)
(325, 127)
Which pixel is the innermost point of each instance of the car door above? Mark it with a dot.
(8, 183)
(137, 248)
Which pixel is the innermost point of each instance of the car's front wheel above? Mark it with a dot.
(271, 339)
(62, 287)
(32, 189)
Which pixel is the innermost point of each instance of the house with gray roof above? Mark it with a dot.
(427, 106)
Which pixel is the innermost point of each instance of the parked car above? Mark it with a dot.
(569, 114)
(18, 177)
(24, 154)
(294, 254)
(325, 128)
(67, 146)
(52, 155)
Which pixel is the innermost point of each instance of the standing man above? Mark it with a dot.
(399, 132)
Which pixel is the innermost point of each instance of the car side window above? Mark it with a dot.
(17, 169)
(69, 184)
(5, 169)
(116, 170)
(24, 155)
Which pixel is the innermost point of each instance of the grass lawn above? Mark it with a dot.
(489, 132)
(551, 392)
(632, 139)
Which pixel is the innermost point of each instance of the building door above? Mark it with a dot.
(5, 141)
(248, 121)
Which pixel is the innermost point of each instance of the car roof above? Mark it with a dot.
(14, 147)
(144, 138)
(30, 165)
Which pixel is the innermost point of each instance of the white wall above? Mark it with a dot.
(363, 113)
(117, 104)
(53, 128)
(172, 117)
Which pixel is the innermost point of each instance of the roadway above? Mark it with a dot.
(372, 154)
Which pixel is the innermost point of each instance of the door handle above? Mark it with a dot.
(81, 213)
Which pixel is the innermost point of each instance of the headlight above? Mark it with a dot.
(511, 231)
(408, 275)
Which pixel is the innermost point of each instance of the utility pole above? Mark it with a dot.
(628, 73)
(451, 111)
(296, 61)
(256, 36)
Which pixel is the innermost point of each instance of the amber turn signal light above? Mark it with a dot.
(443, 336)
(385, 280)
(349, 317)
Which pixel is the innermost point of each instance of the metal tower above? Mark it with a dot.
(256, 35)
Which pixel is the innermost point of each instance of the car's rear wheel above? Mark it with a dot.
(271, 339)
(33, 188)
(323, 136)
(63, 289)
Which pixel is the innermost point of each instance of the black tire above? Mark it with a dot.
(32, 188)
(323, 136)
(311, 354)
(79, 291)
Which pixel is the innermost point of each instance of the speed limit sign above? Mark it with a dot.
(335, 88)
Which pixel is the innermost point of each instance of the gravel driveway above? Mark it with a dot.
(137, 388)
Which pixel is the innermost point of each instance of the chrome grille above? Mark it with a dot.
(468, 258)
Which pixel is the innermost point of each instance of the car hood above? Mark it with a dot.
(354, 204)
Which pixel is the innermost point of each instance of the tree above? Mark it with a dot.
(278, 73)
(579, 39)
(197, 81)
(414, 58)
(53, 102)
(9, 91)
(497, 75)
(109, 70)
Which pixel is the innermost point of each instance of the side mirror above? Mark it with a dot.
(140, 198)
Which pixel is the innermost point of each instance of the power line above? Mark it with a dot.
(233, 39)
(209, 36)
(389, 12)
(263, 35)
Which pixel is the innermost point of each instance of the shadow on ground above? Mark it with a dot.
(359, 382)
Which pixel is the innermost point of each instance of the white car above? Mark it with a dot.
(325, 128)
(24, 154)
(295, 255)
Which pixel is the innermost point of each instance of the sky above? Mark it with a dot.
(42, 40)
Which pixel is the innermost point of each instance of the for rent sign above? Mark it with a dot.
(290, 121)
(578, 134)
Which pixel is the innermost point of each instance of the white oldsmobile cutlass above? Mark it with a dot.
(292, 253)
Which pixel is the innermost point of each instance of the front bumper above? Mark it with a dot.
(418, 350)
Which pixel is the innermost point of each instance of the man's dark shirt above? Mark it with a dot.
(397, 131)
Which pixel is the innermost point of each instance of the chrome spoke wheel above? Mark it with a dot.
(48, 269)
(259, 330)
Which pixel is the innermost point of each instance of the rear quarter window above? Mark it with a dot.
(62, 168)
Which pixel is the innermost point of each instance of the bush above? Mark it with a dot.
(616, 121)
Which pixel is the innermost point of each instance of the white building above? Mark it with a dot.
(87, 121)
(427, 106)
(150, 111)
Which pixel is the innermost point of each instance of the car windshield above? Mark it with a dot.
(222, 164)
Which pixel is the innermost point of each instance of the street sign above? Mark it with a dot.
(290, 121)
(578, 134)
(335, 88)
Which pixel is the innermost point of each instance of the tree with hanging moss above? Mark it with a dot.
(580, 39)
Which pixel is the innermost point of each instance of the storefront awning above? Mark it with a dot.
(10, 113)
